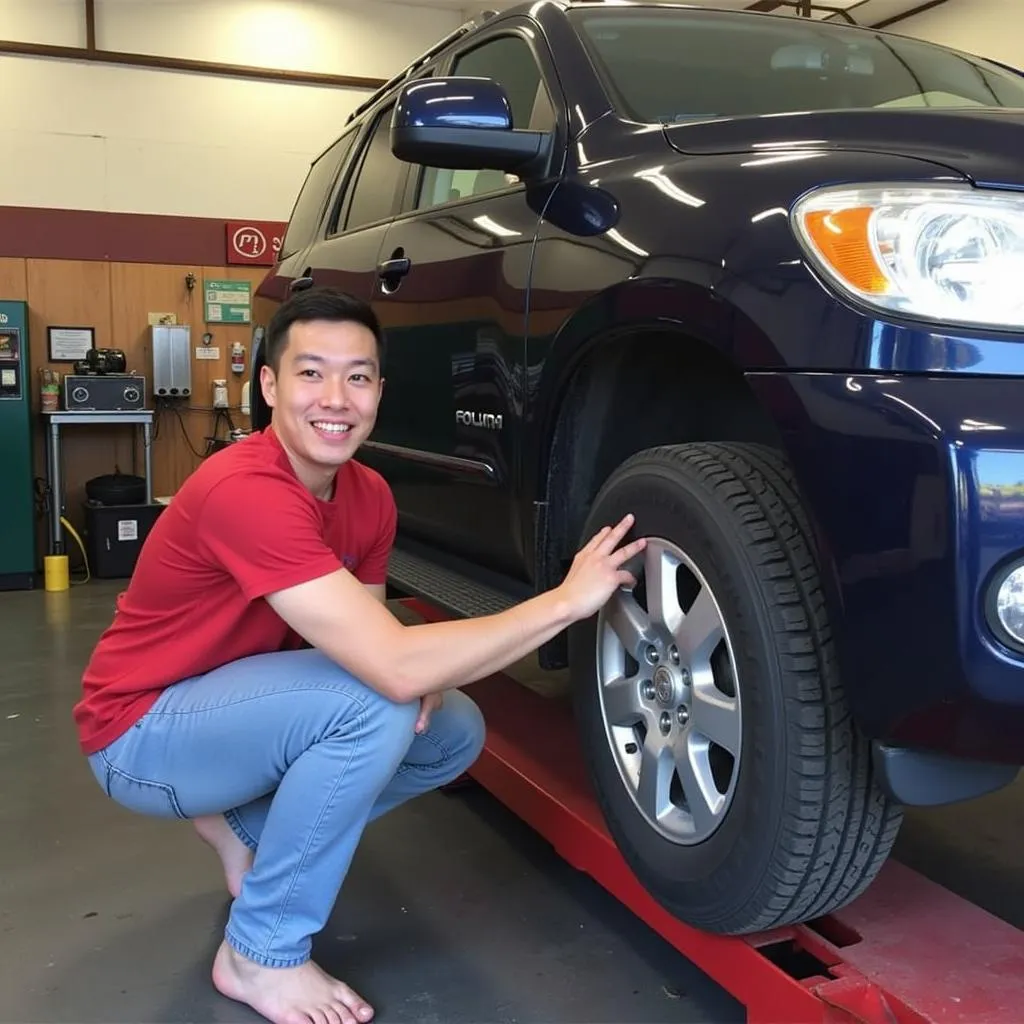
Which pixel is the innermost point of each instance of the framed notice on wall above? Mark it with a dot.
(227, 302)
(70, 344)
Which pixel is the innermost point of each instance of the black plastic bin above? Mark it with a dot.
(114, 535)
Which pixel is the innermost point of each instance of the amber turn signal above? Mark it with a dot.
(842, 238)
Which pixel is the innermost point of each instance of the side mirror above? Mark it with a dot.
(462, 124)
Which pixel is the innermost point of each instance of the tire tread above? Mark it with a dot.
(838, 827)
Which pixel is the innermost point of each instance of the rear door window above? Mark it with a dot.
(314, 195)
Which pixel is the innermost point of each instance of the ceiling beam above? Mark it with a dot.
(920, 9)
(804, 8)
(90, 25)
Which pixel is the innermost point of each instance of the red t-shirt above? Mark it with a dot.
(242, 526)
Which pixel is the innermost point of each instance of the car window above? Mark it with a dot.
(313, 196)
(677, 65)
(373, 193)
(510, 62)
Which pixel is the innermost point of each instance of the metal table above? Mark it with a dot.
(88, 417)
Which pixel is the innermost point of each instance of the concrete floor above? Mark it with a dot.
(454, 911)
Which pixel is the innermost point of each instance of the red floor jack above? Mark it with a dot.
(907, 952)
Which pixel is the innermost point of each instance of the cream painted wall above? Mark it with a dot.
(55, 22)
(987, 28)
(103, 137)
(110, 138)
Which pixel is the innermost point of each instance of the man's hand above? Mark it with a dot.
(428, 705)
(596, 571)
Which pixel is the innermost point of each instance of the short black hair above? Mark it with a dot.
(318, 303)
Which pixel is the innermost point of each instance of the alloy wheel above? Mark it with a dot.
(669, 695)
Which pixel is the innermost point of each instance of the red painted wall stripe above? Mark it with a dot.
(43, 233)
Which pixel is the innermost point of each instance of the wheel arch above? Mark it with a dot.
(619, 383)
(632, 386)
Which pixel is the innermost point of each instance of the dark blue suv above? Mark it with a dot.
(760, 281)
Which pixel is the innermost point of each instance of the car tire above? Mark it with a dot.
(792, 824)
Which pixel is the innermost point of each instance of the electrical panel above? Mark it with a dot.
(172, 360)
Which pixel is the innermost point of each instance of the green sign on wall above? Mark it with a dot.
(227, 302)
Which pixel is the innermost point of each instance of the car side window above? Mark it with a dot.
(316, 190)
(511, 63)
(376, 181)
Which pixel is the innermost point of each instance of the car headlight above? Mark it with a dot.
(954, 255)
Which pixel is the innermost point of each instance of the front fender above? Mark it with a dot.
(687, 305)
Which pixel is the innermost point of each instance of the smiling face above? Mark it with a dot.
(324, 396)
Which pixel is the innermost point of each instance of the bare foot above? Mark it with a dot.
(234, 854)
(288, 995)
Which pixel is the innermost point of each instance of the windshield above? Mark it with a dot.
(676, 65)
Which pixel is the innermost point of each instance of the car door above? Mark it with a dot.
(368, 193)
(454, 308)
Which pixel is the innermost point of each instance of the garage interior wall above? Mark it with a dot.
(159, 160)
(182, 152)
(152, 141)
(986, 28)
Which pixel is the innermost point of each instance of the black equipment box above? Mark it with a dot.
(114, 535)
(113, 392)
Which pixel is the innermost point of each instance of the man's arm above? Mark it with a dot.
(432, 701)
(340, 616)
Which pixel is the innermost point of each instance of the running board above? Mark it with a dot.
(445, 588)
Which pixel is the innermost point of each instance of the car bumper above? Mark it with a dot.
(915, 488)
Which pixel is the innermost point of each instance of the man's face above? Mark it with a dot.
(326, 392)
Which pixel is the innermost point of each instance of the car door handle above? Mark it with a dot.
(394, 268)
(300, 284)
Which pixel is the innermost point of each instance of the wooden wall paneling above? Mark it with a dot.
(138, 289)
(13, 280)
(225, 335)
(186, 428)
(73, 293)
(182, 428)
(116, 299)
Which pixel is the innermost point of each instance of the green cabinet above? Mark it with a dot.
(18, 555)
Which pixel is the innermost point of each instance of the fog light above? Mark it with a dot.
(1009, 604)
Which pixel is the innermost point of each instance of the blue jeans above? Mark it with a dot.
(299, 756)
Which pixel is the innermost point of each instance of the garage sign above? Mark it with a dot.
(227, 302)
(254, 242)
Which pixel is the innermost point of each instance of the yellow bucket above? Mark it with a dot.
(56, 575)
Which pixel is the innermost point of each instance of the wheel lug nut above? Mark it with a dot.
(685, 677)
(673, 653)
(682, 716)
(648, 690)
(665, 722)
(651, 654)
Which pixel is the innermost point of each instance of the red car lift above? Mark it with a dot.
(907, 952)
